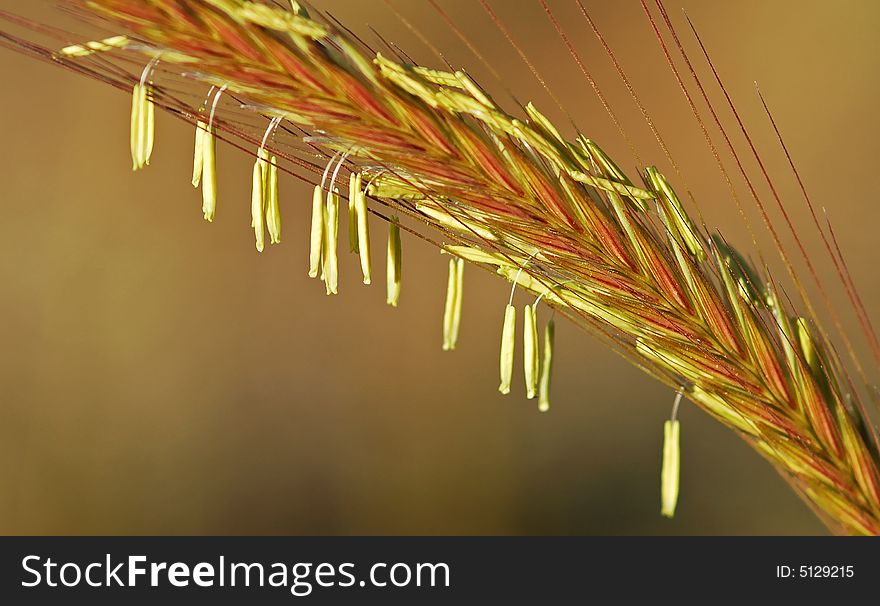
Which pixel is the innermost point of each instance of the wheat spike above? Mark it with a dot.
(680, 304)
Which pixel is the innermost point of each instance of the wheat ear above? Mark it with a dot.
(558, 217)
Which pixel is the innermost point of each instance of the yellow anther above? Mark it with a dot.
(142, 125)
(354, 185)
(331, 230)
(209, 174)
(530, 350)
(546, 367)
(258, 198)
(508, 337)
(316, 240)
(363, 226)
(393, 264)
(149, 119)
(273, 210)
(452, 309)
(198, 153)
(671, 469)
(136, 126)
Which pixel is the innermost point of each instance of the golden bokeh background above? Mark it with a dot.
(157, 375)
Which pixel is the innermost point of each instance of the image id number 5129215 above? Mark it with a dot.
(816, 571)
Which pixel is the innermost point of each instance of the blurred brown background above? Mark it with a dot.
(159, 376)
